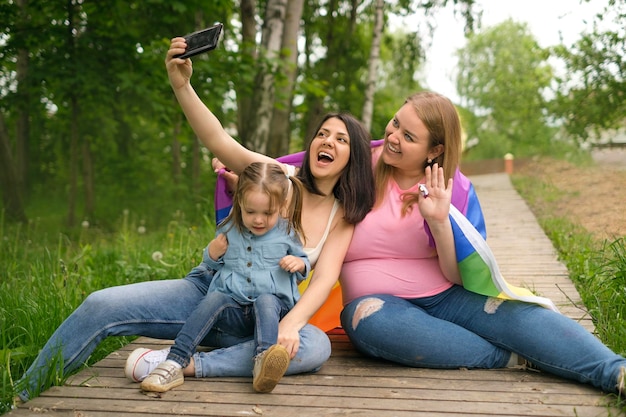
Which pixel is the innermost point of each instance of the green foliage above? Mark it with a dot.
(94, 77)
(591, 96)
(603, 275)
(102, 120)
(47, 274)
(402, 56)
(503, 74)
(597, 268)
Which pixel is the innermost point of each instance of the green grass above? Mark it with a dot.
(48, 270)
(596, 267)
(46, 274)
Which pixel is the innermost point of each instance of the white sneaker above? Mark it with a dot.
(142, 361)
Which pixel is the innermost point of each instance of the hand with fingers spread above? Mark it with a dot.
(435, 206)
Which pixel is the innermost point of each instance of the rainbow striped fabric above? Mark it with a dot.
(478, 267)
(223, 201)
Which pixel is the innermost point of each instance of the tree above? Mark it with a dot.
(271, 41)
(23, 97)
(402, 56)
(12, 199)
(95, 97)
(280, 128)
(503, 75)
(592, 95)
(372, 73)
(90, 120)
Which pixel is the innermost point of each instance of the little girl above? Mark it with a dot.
(258, 261)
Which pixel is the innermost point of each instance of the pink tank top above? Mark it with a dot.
(390, 254)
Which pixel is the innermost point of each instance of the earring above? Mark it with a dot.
(429, 160)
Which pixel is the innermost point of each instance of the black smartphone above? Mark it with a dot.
(204, 40)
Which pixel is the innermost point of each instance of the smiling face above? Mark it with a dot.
(330, 149)
(407, 142)
(257, 213)
(338, 162)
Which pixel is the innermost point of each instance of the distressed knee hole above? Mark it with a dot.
(366, 308)
(492, 304)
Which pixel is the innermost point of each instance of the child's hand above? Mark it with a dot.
(218, 246)
(292, 264)
(231, 178)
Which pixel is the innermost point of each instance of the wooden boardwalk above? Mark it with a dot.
(352, 385)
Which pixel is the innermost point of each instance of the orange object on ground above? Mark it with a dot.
(327, 317)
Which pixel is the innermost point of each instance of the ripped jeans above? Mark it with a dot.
(458, 328)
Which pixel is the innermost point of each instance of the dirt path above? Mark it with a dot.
(594, 197)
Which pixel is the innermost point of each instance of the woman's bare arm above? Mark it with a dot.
(435, 209)
(203, 122)
(325, 275)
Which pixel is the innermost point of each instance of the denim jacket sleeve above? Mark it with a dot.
(206, 259)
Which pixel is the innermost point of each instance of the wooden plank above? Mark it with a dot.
(350, 384)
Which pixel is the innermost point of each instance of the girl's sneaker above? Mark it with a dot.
(269, 368)
(142, 361)
(166, 376)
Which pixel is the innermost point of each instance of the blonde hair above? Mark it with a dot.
(444, 128)
(270, 179)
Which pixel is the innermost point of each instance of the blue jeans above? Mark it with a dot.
(221, 312)
(158, 309)
(458, 328)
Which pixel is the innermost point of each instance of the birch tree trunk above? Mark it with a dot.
(280, 131)
(245, 108)
(271, 42)
(372, 74)
(315, 107)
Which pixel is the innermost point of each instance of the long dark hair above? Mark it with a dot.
(355, 187)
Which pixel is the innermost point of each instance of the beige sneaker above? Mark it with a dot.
(164, 377)
(269, 368)
(621, 381)
(142, 361)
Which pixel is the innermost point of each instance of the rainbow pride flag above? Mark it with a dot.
(478, 267)
(327, 317)
(223, 202)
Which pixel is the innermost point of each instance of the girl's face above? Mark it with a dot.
(256, 214)
(407, 141)
(330, 149)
